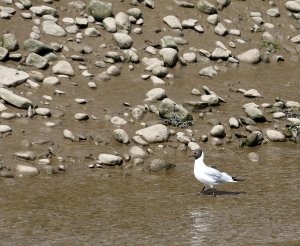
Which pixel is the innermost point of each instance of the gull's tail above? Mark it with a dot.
(237, 179)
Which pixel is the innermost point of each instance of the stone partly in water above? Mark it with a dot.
(159, 165)
(23, 171)
(110, 160)
(275, 136)
(18, 101)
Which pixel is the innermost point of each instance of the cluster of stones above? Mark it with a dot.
(160, 57)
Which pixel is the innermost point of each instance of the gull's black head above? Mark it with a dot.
(197, 153)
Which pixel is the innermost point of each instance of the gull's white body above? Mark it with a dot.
(210, 176)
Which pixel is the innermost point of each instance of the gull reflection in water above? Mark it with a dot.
(200, 226)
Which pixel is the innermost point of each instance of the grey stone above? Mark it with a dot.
(218, 131)
(293, 6)
(273, 12)
(138, 152)
(17, 101)
(206, 7)
(296, 39)
(121, 136)
(116, 120)
(25, 155)
(252, 56)
(36, 60)
(170, 56)
(154, 134)
(168, 42)
(11, 77)
(69, 135)
(135, 12)
(123, 40)
(92, 32)
(37, 46)
(219, 53)
(99, 10)
(123, 22)
(275, 136)
(81, 116)
(211, 100)
(63, 67)
(137, 113)
(159, 165)
(5, 128)
(10, 42)
(220, 29)
(213, 19)
(43, 10)
(208, 72)
(3, 53)
(110, 160)
(51, 28)
(168, 109)
(155, 94)
(173, 22)
(43, 111)
(109, 24)
(253, 139)
(25, 171)
(252, 93)
(233, 122)
(255, 114)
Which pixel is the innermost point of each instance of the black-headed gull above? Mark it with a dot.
(207, 175)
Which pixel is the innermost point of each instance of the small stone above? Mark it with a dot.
(123, 40)
(81, 116)
(25, 171)
(5, 129)
(51, 28)
(252, 93)
(121, 136)
(25, 155)
(208, 72)
(154, 134)
(69, 135)
(138, 152)
(63, 67)
(252, 156)
(116, 120)
(234, 123)
(251, 56)
(159, 165)
(275, 136)
(218, 131)
(172, 22)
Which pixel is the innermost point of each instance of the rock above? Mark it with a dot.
(219, 53)
(25, 155)
(11, 77)
(43, 111)
(296, 39)
(116, 120)
(43, 10)
(81, 116)
(213, 19)
(220, 29)
(138, 152)
(251, 56)
(293, 6)
(223, 3)
(168, 42)
(123, 40)
(255, 114)
(159, 165)
(25, 171)
(3, 53)
(208, 72)
(168, 109)
(135, 12)
(63, 67)
(189, 57)
(17, 101)
(69, 135)
(275, 136)
(121, 136)
(252, 156)
(170, 56)
(247, 121)
(206, 7)
(160, 71)
(155, 94)
(110, 160)
(189, 23)
(137, 113)
(253, 139)
(113, 70)
(123, 22)
(51, 28)
(173, 22)
(99, 10)
(278, 115)
(92, 32)
(233, 123)
(109, 24)
(193, 146)
(218, 131)
(36, 60)
(212, 100)
(10, 42)
(37, 46)
(154, 134)
(51, 81)
(5, 129)
(183, 138)
(292, 104)
(252, 93)
(273, 12)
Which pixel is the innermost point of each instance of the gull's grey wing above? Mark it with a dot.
(218, 176)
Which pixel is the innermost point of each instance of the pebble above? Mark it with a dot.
(275, 136)
(26, 171)
(110, 160)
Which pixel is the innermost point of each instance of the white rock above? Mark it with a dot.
(109, 24)
(155, 94)
(51, 28)
(5, 128)
(22, 170)
(208, 72)
(220, 29)
(138, 152)
(251, 56)
(172, 22)
(293, 6)
(69, 135)
(63, 67)
(123, 40)
(43, 111)
(154, 134)
(111, 160)
(121, 136)
(296, 39)
(233, 122)
(18, 101)
(116, 120)
(218, 131)
(275, 136)
(11, 77)
(252, 93)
